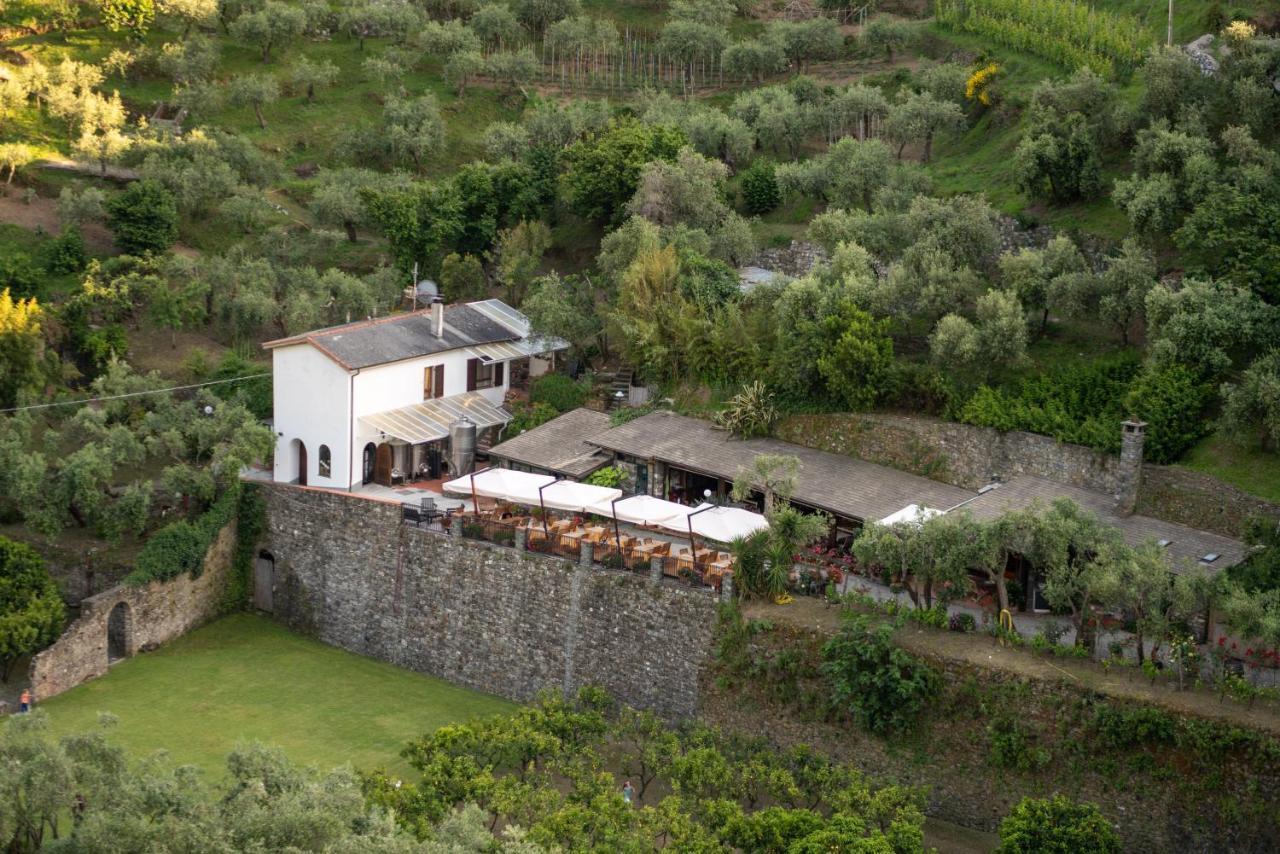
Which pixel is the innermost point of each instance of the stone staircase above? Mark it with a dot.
(621, 383)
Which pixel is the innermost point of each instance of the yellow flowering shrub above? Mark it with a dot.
(978, 86)
(18, 316)
(1239, 32)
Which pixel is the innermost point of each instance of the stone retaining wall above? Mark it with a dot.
(970, 456)
(154, 614)
(960, 454)
(348, 572)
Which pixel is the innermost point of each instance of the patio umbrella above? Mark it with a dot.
(574, 497)
(725, 524)
(911, 513)
(638, 509)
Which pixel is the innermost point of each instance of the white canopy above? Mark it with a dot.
(725, 524)
(911, 513)
(574, 497)
(520, 487)
(640, 509)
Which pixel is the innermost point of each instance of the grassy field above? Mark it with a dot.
(1250, 469)
(245, 678)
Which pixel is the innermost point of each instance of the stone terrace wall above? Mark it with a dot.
(348, 572)
(157, 612)
(960, 454)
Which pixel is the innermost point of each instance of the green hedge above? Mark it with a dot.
(1084, 405)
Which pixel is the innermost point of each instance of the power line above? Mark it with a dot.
(133, 393)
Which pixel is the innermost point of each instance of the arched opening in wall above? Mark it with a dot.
(264, 582)
(369, 462)
(118, 631)
(302, 463)
(325, 463)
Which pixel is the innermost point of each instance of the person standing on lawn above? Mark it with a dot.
(628, 792)
(24, 702)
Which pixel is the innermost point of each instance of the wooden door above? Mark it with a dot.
(385, 462)
(264, 580)
(302, 464)
(370, 460)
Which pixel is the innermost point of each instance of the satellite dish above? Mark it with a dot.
(427, 291)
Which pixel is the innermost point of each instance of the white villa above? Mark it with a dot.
(376, 401)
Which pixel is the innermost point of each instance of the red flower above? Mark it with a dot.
(1233, 644)
(1249, 651)
(1221, 641)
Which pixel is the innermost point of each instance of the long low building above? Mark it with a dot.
(687, 459)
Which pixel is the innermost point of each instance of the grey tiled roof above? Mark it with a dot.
(1186, 545)
(559, 445)
(833, 482)
(403, 336)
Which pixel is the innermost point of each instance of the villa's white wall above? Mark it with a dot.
(311, 402)
(399, 384)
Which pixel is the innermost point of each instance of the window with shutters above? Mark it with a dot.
(480, 375)
(433, 382)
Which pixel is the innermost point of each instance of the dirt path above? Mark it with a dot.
(982, 651)
(42, 213)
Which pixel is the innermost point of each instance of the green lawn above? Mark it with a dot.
(1251, 469)
(246, 678)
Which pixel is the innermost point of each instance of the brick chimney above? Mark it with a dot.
(1133, 434)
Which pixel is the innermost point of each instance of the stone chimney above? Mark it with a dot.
(437, 317)
(1129, 481)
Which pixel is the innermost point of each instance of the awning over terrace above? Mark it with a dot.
(520, 487)
(431, 419)
(504, 484)
(641, 510)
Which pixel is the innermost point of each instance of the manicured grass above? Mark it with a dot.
(245, 678)
(1251, 469)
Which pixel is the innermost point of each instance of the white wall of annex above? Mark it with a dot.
(310, 393)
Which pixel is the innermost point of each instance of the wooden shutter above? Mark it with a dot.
(498, 369)
(438, 386)
(472, 364)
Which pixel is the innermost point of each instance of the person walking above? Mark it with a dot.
(24, 702)
(628, 792)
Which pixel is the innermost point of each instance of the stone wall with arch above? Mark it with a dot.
(147, 617)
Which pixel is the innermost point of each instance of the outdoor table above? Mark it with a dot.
(560, 524)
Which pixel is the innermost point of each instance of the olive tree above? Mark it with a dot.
(275, 25)
(1251, 404)
(254, 91)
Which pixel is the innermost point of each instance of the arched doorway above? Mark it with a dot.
(302, 464)
(118, 632)
(370, 460)
(264, 582)
(384, 464)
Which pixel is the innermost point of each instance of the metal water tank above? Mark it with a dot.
(462, 446)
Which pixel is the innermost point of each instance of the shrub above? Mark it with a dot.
(144, 218)
(880, 684)
(1173, 401)
(609, 476)
(18, 274)
(65, 253)
(962, 622)
(1012, 745)
(1122, 726)
(750, 412)
(31, 609)
(526, 417)
(760, 192)
(558, 391)
(1057, 824)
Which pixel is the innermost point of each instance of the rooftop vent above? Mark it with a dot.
(1164, 543)
(1210, 557)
